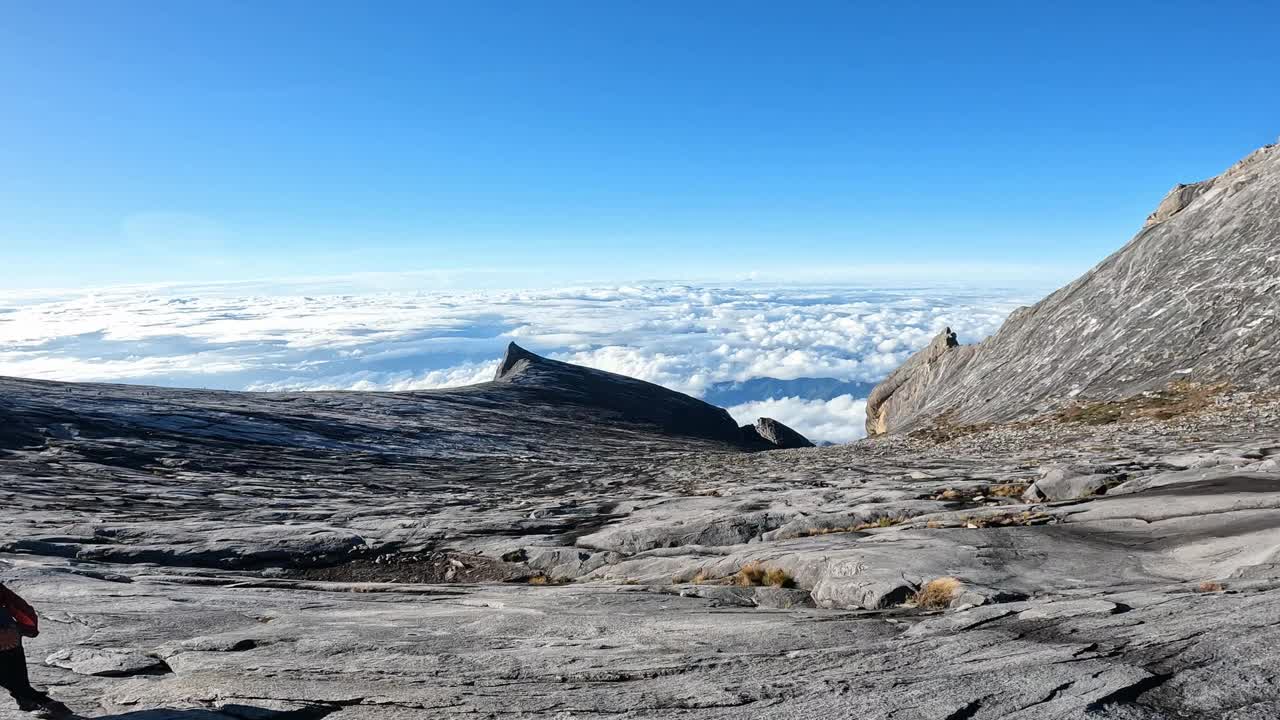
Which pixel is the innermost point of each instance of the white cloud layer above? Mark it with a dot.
(683, 337)
(838, 420)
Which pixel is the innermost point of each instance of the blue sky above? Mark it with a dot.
(531, 143)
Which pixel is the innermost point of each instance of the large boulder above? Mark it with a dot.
(1068, 482)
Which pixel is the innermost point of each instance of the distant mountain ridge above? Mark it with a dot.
(532, 402)
(629, 399)
(728, 394)
(1194, 296)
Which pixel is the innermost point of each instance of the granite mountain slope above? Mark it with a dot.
(562, 542)
(1195, 297)
(305, 558)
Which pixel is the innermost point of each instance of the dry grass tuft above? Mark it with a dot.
(544, 579)
(750, 574)
(1211, 586)
(829, 530)
(880, 522)
(1010, 490)
(777, 577)
(1026, 517)
(1179, 398)
(755, 574)
(938, 593)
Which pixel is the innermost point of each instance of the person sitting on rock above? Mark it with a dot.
(19, 620)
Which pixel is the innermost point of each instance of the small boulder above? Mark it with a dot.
(1067, 482)
(106, 662)
(781, 598)
(1198, 460)
(1060, 609)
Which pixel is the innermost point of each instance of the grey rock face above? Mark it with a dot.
(105, 662)
(272, 576)
(908, 378)
(1068, 482)
(1195, 296)
(633, 401)
(780, 436)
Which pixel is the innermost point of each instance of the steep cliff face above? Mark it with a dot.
(911, 379)
(1194, 296)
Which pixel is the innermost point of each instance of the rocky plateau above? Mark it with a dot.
(1077, 518)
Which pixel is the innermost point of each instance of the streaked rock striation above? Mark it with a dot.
(1194, 297)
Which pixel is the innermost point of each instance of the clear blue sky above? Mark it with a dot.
(594, 141)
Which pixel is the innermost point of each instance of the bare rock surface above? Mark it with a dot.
(1067, 482)
(1193, 298)
(566, 543)
(319, 556)
(106, 662)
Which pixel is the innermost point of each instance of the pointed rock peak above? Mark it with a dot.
(923, 362)
(944, 341)
(1184, 194)
(1177, 200)
(535, 381)
(779, 435)
(515, 360)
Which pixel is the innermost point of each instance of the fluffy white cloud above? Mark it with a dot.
(684, 337)
(838, 420)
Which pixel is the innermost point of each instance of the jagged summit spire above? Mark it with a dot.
(511, 361)
(629, 399)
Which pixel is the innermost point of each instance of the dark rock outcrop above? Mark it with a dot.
(618, 397)
(728, 394)
(1195, 296)
(779, 436)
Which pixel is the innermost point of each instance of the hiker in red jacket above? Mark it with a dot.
(19, 620)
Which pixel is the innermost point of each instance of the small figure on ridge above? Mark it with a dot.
(19, 620)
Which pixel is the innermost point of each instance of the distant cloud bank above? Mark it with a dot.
(838, 420)
(684, 337)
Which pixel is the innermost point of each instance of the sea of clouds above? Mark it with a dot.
(684, 337)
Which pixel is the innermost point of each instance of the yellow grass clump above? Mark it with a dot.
(938, 593)
(1009, 490)
(755, 574)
